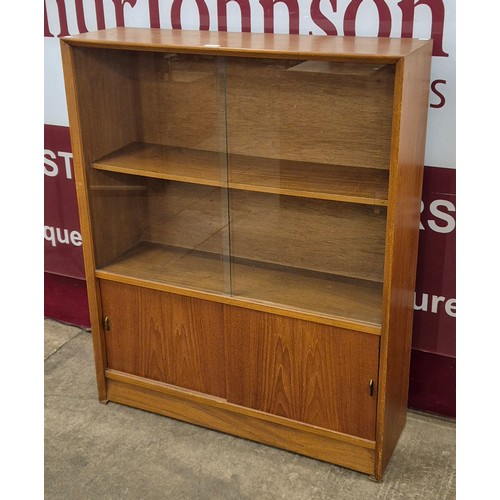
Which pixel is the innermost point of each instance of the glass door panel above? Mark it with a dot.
(308, 172)
(158, 170)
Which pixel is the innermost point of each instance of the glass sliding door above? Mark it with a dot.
(158, 172)
(308, 167)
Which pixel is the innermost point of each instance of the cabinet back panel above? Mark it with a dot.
(312, 111)
(326, 236)
(118, 204)
(104, 82)
(118, 209)
(188, 216)
(129, 209)
(332, 237)
(159, 98)
(182, 100)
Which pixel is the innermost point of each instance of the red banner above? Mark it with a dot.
(435, 303)
(63, 241)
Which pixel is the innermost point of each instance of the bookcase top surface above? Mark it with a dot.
(385, 50)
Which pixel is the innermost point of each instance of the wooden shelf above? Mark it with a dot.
(313, 293)
(285, 177)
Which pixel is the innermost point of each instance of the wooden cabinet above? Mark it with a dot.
(249, 207)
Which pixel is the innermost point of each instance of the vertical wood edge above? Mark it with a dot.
(394, 167)
(79, 161)
(407, 89)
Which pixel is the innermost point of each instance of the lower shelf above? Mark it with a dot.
(324, 295)
(215, 413)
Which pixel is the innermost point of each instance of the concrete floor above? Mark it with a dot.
(96, 451)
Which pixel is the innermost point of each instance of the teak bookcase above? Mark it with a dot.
(249, 207)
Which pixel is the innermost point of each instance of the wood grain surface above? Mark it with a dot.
(316, 117)
(405, 191)
(266, 175)
(104, 84)
(331, 48)
(306, 372)
(81, 159)
(332, 237)
(344, 450)
(170, 338)
(318, 235)
(325, 296)
(180, 100)
(119, 209)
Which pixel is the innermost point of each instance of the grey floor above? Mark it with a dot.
(96, 451)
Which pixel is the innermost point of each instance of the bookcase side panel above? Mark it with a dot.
(411, 105)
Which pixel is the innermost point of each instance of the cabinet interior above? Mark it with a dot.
(263, 179)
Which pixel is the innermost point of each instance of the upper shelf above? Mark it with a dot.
(292, 178)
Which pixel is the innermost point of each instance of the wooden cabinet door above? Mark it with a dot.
(304, 371)
(165, 337)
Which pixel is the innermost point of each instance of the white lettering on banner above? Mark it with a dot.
(51, 168)
(436, 209)
(433, 302)
(56, 235)
(49, 164)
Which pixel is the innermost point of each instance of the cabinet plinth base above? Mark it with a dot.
(215, 413)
